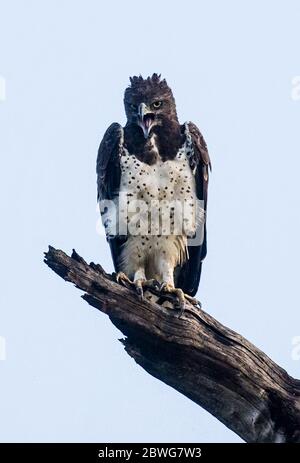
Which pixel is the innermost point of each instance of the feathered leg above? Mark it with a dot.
(167, 286)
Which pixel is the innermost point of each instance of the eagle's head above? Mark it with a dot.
(149, 103)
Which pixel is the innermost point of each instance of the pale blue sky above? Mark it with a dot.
(66, 64)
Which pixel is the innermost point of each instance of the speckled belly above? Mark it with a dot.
(166, 191)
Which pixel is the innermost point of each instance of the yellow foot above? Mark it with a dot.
(181, 296)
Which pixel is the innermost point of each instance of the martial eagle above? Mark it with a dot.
(157, 162)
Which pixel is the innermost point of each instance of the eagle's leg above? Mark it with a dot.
(140, 282)
(168, 286)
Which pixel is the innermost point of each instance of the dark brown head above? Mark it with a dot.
(149, 103)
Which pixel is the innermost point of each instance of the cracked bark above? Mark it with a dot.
(196, 355)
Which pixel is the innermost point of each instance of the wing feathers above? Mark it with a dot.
(200, 147)
(108, 163)
(108, 177)
(188, 276)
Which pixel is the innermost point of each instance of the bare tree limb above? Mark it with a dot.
(212, 365)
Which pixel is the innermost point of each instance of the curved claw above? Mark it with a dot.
(122, 278)
(155, 284)
(140, 291)
(182, 309)
(140, 284)
(181, 297)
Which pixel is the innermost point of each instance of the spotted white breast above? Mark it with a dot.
(158, 210)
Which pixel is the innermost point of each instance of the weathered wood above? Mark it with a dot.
(212, 365)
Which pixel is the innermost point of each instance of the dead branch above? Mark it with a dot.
(212, 365)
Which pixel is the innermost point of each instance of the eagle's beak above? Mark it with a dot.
(145, 119)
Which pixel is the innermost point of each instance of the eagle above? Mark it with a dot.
(154, 166)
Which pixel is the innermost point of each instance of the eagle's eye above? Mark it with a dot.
(133, 107)
(156, 105)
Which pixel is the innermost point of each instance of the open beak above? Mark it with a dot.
(145, 119)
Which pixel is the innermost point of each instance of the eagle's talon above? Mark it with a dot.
(199, 305)
(155, 285)
(140, 293)
(122, 279)
(177, 303)
(191, 299)
(181, 297)
(162, 286)
(142, 284)
(182, 310)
